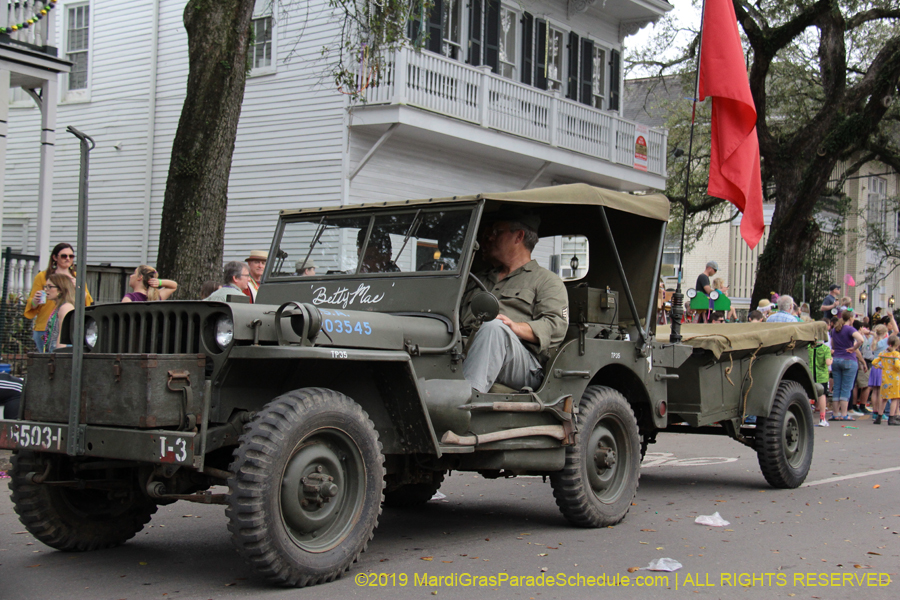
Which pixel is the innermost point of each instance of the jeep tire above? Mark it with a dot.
(306, 488)
(600, 477)
(784, 439)
(70, 519)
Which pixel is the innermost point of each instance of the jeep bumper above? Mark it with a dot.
(155, 446)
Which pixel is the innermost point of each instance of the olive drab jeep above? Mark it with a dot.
(340, 392)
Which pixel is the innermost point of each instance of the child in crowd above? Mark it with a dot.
(819, 361)
(879, 345)
(889, 362)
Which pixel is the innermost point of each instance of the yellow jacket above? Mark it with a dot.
(42, 313)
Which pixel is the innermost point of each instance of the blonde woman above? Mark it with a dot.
(61, 292)
(148, 286)
(40, 306)
(719, 284)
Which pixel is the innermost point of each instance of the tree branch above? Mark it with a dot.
(874, 14)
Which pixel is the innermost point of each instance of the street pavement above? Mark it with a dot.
(838, 537)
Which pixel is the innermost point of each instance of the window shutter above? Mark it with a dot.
(435, 27)
(540, 54)
(475, 32)
(572, 87)
(587, 72)
(614, 72)
(527, 48)
(492, 35)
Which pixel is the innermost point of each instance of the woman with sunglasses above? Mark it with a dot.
(61, 292)
(40, 306)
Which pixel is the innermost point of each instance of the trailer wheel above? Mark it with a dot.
(414, 494)
(784, 439)
(306, 488)
(600, 478)
(74, 520)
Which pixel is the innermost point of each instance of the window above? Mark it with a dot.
(451, 29)
(262, 50)
(875, 209)
(598, 78)
(554, 68)
(77, 45)
(876, 217)
(509, 21)
(398, 242)
(574, 257)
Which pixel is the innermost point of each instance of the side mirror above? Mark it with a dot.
(485, 306)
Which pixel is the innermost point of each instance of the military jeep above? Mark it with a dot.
(340, 392)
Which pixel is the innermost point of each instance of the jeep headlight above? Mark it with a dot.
(90, 332)
(224, 331)
(714, 295)
(691, 293)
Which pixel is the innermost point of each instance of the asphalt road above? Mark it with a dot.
(838, 536)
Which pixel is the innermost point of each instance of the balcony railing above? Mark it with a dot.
(476, 95)
(39, 34)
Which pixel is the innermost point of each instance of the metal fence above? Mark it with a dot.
(15, 329)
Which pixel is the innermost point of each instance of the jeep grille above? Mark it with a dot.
(149, 332)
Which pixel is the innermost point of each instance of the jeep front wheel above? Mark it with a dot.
(306, 487)
(72, 519)
(600, 478)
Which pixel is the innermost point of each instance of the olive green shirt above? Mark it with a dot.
(530, 294)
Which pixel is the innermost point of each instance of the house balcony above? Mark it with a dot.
(28, 52)
(28, 24)
(475, 106)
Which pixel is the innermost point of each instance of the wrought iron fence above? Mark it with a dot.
(15, 329)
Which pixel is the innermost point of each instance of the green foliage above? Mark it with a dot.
(824, 74)
(370, 30)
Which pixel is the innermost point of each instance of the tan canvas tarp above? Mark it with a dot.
(729, 337)
(652, 206)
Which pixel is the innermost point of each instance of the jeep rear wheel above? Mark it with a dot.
(600, 478)
(76, 520)
(307, 486)
(784, 439)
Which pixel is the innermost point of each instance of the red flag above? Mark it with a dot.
(734, 161)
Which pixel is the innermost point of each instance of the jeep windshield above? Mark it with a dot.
(413, 240)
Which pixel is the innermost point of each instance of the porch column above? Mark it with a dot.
(45, 187)
(4, 127)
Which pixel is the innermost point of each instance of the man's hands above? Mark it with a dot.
(522, 330)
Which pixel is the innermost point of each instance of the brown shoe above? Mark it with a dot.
(895, 420)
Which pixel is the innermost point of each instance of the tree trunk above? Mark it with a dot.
(191, 238)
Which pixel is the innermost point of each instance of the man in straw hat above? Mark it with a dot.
(257, 264)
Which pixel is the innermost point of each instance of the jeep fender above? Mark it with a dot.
(382, 382)
(767, 372)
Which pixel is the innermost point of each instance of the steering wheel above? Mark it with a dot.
(478, 282)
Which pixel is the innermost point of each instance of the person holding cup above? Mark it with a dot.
(40, 306)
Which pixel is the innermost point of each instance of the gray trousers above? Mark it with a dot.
(496, 355)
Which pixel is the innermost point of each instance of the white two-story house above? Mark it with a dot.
(501, 95)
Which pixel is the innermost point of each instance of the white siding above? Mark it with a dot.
(287, 153)
(410, 168)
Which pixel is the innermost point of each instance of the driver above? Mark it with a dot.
(534, 308)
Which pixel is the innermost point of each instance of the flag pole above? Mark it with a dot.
(678, 297)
